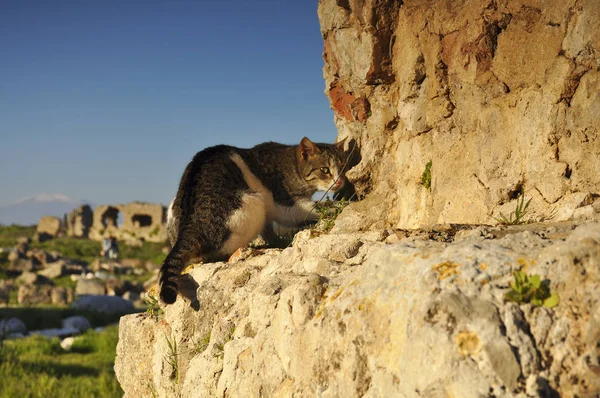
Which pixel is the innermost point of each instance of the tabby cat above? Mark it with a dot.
(228, 196)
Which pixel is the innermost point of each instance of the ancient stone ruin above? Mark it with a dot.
(144, 221)
(80, 221)
(134, 221)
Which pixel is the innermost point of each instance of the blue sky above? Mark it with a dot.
(109, 100)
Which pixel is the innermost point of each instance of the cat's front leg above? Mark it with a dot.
(302, 212)
(269, 235)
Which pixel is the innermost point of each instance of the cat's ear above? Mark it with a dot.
(339, 146)
(307, 148)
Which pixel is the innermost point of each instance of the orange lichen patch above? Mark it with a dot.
(327, 299)
(446, 269)
(366, 305)
(483, 266)
(524, 263)
(236, 256)
(468, 343)
(337, 294)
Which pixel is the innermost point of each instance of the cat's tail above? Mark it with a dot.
(169, 275)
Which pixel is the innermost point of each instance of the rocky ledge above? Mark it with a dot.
(380, 313)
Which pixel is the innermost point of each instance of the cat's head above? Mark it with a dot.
(321, 165)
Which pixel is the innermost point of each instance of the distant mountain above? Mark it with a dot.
(28, 211)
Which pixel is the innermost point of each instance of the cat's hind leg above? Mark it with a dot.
(245, 223)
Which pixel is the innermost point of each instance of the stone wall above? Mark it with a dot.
(80, 221)
(503, 97)
(139, 221)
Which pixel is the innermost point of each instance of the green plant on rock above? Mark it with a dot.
(328, 211)
(426, 176)
(202, 344)
(516, 217)
(172, 358)
(531, 289)
(153, 310)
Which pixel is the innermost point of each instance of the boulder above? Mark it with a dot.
(24, 241)
(62, 296)
(48, 228)
(42, 256)
(31, 278)
(24, 265)
(5, 288)
(12, 326)
(67, 343)
(107, 304)
(89, 286)
(54, 270)
(77, 322)
(117, 287)
(35, 294)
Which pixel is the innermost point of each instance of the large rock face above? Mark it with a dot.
(502, 97)
(350, 315)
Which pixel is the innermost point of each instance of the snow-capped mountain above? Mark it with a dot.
(29, 210)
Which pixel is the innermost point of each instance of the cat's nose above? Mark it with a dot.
(339, 182)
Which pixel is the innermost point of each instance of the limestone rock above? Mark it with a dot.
(374, 317)
(48, 228)
(89, 286)
(34, 294)
(54, 270)
(5, 288)
(31, 278)
(108, 304)
(61, 296)
(502, 99)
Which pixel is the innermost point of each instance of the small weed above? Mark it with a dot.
(328, 211)
(202, 344)
(531, 289)
(220, 347)
(172, 358)
(154, 310)
(426, 176)
(516, 217)
(220, 350)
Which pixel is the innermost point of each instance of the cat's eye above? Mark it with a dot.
(325, 170)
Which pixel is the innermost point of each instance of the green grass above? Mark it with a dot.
(70, 247)
(516, 217)
(88, 250)
(149, 251)
(10, 233)
(38, 367)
